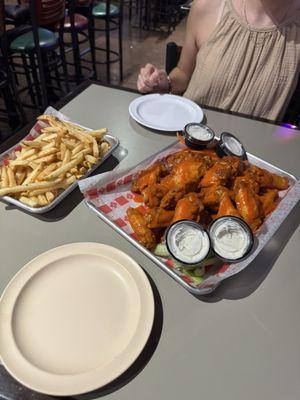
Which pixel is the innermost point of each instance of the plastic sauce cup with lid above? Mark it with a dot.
(187, 242)
(198, 136)
(229, 145)
(231, 238)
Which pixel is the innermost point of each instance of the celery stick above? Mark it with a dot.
(161, 250)
(194, 278)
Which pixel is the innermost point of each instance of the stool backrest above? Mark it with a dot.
(2, 20)
(48, 12)
(82, 2)
(78, 3)
(173, 52)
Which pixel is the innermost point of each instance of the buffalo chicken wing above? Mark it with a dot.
(148, 177)
(227, 207)
(138, 223)
(189, 207)
(200, 186)
(248, 205)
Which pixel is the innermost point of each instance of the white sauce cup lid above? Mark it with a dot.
(230, 145)
(187, 242)
(231, 238)
(199, 133)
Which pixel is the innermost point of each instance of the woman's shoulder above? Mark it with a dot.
(206, 6)
(203, 18)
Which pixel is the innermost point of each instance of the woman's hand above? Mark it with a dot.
(152, 79)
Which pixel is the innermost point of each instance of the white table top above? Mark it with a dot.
(240, 343)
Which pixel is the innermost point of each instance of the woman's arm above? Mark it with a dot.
(152, 79)
(201, 21)
(199, 24)
(181, 74)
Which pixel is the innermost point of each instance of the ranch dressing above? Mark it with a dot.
(233, 145)
(200, 133)
(188, 242)
(229, 145)
(231, 238)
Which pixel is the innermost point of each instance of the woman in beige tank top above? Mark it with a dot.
(238, 55)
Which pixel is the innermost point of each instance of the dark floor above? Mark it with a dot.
(141, 47)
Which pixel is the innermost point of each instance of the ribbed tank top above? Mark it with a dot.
(245, 69)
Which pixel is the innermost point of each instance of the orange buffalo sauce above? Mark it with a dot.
(138, 198)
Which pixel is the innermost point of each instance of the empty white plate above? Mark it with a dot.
(75, 318)
(165, 112)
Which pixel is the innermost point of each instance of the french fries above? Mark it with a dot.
(5, 181)
(51, 162)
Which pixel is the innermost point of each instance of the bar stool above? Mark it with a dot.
(76, 25)
(164, 13)
(112, 15)
(83, 7)
(37, 50)
(17, 14)
(131, 4)
(143, 11)
(13, 113)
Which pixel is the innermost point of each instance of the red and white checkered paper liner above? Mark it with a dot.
(110, 193)
(34, 132)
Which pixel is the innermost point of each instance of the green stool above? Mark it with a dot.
(24, 47)
(25, 42)
(13, 113)
(99, 11)
(37, 48)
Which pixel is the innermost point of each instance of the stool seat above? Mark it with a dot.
(25, 42)
(17, 13)
(80, 23)
(99, 11)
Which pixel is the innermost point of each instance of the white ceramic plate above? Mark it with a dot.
(165, 112)
(75, 318)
